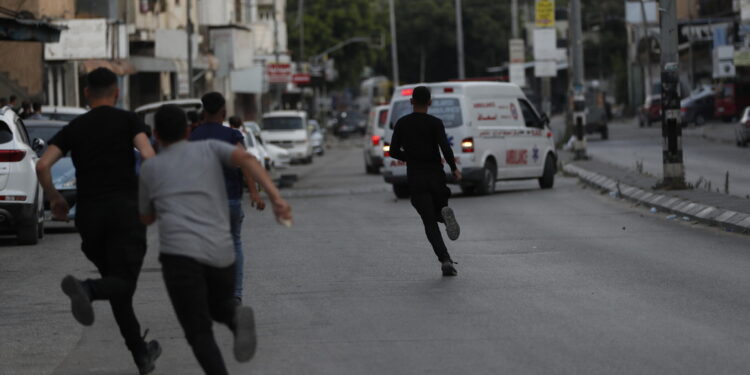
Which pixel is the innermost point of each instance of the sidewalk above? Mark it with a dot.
(716, 209)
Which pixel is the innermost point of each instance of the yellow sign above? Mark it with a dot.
(742, 57)
(545, 13)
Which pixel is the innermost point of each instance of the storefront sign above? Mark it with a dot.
(279, 72)
(545, 13)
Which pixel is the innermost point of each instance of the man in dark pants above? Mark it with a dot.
(101, 145)
(417, 140)
(214, 109)
(183, 187)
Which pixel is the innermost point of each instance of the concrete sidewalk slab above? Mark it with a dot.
(722, 210)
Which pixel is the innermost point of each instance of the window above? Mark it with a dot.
(282, 123)
(448, 110)
(382, 118)
(529, 115)
(5, 134)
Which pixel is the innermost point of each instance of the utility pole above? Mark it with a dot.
(301, 21)
(189, 29)
(394, 46)
(579, 91)
(460, 41)
(514, 18)
(674, 169)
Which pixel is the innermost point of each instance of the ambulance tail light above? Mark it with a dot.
(467, 145)
(387, 150)
(407, 92)
(375, 140)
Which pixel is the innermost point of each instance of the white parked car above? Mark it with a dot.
(289, 130)
(280, 157)
(494, 131)
(61, 113)
(21, 196)
(374, 141)
(147, 112)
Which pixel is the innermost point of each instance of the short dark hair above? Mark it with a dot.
(37, 106)
(235, 122)
(101, 82)
(170, 122)
(12, 98)
(193, 117)
(213, 102)
(421, 95)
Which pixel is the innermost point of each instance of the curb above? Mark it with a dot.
(719, 217)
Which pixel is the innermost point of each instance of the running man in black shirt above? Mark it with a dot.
(101, 143)
(417, 140)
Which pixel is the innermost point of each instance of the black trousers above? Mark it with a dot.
(429, 194)
(201, 294)
(114, 239)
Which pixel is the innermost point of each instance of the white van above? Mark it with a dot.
(373, 147)
(494, 131)
(289, 130)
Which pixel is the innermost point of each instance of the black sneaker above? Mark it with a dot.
(245, 340)
(451, 225)
(80, 301)
(146, 361)
(448, 269)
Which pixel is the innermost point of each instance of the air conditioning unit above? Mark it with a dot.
(724, 62)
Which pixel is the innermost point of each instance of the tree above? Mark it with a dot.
(328, 22)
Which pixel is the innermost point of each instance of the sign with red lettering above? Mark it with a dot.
(279, 72)
(517, 157)
(301, 79)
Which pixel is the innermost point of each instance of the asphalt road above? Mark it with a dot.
(704, 159)
(563, 281)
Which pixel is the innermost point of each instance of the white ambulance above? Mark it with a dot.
(494, 131)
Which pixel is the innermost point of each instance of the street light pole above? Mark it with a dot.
(460, 41)
(579, 91)
(394, 46)
(301, 20)
(189, 29)
(514, 18)
(674, 169)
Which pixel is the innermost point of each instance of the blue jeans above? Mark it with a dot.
(236, 215)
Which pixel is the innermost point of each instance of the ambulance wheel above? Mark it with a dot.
(548, 178)
(401, 191)
(487, 186)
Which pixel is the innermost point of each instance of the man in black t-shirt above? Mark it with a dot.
(418, 139)
(101, 144)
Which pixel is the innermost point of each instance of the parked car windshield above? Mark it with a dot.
(282, 123)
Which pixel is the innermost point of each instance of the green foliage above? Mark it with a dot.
(328, 22)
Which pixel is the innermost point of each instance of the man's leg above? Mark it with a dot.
(239, 319)
(423, 203)
(189, 293)
(126, 248)
(236, 216)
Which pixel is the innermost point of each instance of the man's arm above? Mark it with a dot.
(445, 147)
(58, 204)
(145, 206)
(143, 145)
(395, 150)
(250, 165)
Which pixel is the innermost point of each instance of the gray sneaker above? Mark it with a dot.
(451, 225)
(245, 340)
(80, 302)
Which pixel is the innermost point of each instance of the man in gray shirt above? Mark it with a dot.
(183, 186)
